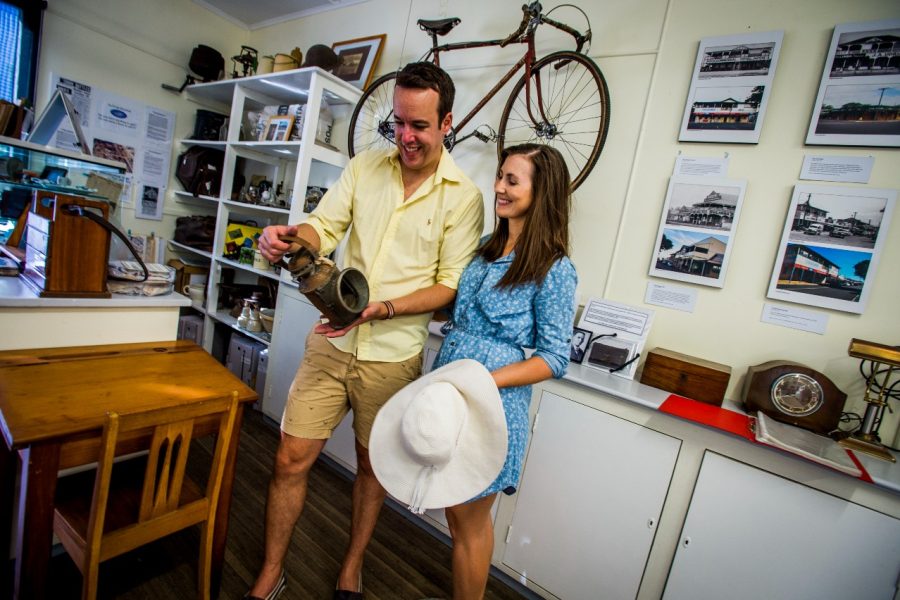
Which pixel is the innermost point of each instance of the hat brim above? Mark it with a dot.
(480, 453)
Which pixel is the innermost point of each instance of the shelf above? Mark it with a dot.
(179, 247)
(244, 267)
(183, 196)
(225, 318)
(283, 150)
(286, 87)
(204, 143)
(257, 207)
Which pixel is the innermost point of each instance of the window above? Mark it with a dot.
(20, 28)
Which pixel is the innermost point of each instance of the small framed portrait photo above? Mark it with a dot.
(359, 58)
(580, 339)
(278, 128)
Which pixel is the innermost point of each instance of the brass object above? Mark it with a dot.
(341, 295)
(866, 439)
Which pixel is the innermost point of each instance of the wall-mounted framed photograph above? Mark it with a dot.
(831, 244)
(359, 58)
(580, 339)
(858, 103)
(697, 228)
(278, 128)
(730, 88)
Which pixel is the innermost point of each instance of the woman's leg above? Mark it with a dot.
(473, 543)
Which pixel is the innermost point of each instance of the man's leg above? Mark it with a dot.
(473, 543)
(287, 494)
(368, 496)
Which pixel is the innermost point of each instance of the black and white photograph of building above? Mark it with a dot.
(843, 220)
(706, 206)
(867, 53)
(738, 60)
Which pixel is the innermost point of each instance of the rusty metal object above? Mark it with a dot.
(341, 295)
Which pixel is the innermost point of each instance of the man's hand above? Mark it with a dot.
(270, 244)
(373, 312)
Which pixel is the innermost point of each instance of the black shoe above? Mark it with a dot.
(280, 586)
(347, 594)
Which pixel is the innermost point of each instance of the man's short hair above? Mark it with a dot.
(428, 76)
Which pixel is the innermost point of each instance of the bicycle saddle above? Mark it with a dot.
(439, 26)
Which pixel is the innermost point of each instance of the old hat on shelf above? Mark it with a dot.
(323, 57)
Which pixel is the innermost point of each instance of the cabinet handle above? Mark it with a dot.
(651, 523)
(686, 542)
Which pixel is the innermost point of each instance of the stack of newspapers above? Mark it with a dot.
(125, 278)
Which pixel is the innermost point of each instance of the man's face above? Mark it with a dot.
(417, 132)
(578, 339)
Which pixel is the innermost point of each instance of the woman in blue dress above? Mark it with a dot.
(517, 293)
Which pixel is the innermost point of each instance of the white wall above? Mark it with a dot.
(646, 49)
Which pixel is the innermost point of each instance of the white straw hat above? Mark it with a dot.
(442, 439)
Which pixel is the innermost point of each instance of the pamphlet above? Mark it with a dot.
(807, 444)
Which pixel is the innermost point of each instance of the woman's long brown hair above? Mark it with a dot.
(545, 236)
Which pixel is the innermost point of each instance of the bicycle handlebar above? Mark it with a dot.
(532, 13)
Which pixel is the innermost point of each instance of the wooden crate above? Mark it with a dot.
(686, 375)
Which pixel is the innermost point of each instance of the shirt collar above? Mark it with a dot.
(446, 168)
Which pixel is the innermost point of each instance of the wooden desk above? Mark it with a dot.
(53, 402)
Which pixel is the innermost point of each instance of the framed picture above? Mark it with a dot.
(832, 240)
(358, 59)
(730, 88)
(580, 339)
(858, 103)
(697, 228)
(278, 128)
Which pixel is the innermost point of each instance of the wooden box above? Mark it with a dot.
(686, 376)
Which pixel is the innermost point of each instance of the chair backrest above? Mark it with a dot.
(162, 510)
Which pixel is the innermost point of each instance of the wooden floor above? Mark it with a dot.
(403, 561)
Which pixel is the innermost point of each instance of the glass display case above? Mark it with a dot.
(26, 168)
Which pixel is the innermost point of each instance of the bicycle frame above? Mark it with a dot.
(523, 35)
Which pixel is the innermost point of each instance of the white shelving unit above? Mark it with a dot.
(295, 164)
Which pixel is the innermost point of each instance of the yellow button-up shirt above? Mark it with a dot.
(400, 246)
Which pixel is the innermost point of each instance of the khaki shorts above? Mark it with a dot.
(330, 382)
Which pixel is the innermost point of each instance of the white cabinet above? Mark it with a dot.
(590, 498)
(290, 165)
(751, 534)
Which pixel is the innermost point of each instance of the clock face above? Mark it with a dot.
(797, 394)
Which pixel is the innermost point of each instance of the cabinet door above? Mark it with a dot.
(752, 534)
(295, 318)
(590, 497)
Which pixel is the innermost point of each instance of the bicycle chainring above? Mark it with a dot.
(450, 140)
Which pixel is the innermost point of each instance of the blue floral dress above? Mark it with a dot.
(494, 326)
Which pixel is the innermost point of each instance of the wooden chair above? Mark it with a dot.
(143, 499)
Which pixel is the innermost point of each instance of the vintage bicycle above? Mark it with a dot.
(561, 99)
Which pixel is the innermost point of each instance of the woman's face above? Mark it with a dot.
(513, 187)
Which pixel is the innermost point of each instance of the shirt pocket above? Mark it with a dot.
(509, 310)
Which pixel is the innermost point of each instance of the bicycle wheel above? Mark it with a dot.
(573, 115)
(372, 125)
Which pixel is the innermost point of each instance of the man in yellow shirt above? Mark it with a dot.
(416, 220)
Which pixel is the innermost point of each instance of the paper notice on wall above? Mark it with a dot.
(794, 318)
(702, 166)
(678, 297)
(847, 169)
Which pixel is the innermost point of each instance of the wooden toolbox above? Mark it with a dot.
(687, 376)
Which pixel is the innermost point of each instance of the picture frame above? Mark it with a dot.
(858, 102)
(580, 340)
(696, 229)
(830, 247)
(359, 57)
(278, 128)
(730, 88)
